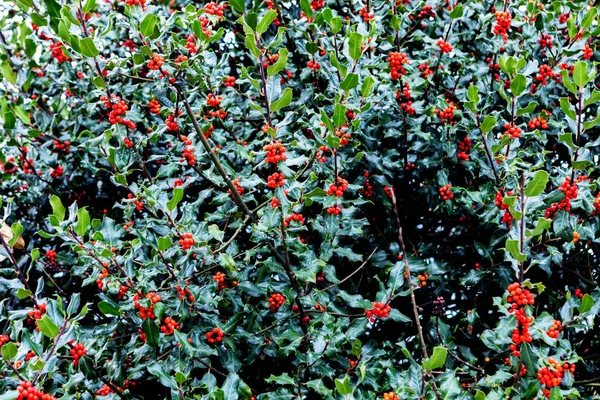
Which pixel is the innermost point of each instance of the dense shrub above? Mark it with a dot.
(379, 200)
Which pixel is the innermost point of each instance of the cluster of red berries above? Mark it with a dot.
(365, 14)
(552, 376)
(30, 354)
(57, 49)
(321, 154)
(229, 81)
(171, 123)
(155, 62)
(545, 41)
(122, 291)
(464, 146)
(105, 390)
(117, 108)
(367, 189)
(188, 155)
(503, 22)
(444, 46)
(294, 217)
(426, 12)
(64, 146)
(220, 278)
(338, 188)
(397, 62)
(184, 293)
(28, 392)
(213, 101)
(379, 310)
(537, 123)
(38, 311)
(405, 106)
(186, 241)
(56, 172)
(127, 142)
(139, 204)
(275, 301)
(555, 329)
(512, 131)
(579, 293)
(169, 326)
(275, 152)
(545, 73)
(446, 115)
(519, 296)
(521, 332)
(132, 3)
(587, 52)
(146, 313)
(390, 396)
(77, 351)
(154, 106)
(335, 210)
(238, 187)
(424, 70)
(423, 279)
(190, 45)
(103, 274)
(213, 8)
(570, 191)
(275, 179)
(445, 192)
(312, 64)
(214, 336)
(4, 339)
(576, 236)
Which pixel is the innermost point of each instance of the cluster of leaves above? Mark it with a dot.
(314, 199)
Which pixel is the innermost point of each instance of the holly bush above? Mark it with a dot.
(286, 200)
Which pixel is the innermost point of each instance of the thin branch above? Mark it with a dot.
(352, 274)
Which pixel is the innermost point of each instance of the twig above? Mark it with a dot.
(352, 274)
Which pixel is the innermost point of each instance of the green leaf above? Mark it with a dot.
(88, 48)
(148, 24)
(16, 230)
(58, 210)
(274, 69)
(355, 45)
(283, 379)
(177, 196)
(367, 86)
(47, 327)
(489, 122)
(22, 115)
(437, 359)
(265, 21)
(473, 94)
(357, 347)
(542, 225)
(216, 232)
(567, 82)
(7, 72)
(9, 350)
(305, 6)
(343, 387)
(108, 309)
(537, 185)
(512, 246)
(251, 45)
(89, 6)
(83, 221)
(333, 141)
(580, 75)
(527, 110)
(151, 331)
(350, 82)
(339, 115)
(586, 304)
(565, 106)
(157, 370)
(164, 243)
(283, 101)
(590, 14)
(23, 293)
(238, 5)
(529, 358)
(457, 12)
(518, 85)
(567, 138)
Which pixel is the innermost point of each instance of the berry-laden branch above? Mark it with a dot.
(240, 202)
(412, 291)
